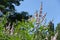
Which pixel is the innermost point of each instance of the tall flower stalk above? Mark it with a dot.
(38, 28)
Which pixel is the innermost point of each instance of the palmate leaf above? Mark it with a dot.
(30, 24)
(23, 32)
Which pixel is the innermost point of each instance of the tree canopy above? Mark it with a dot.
(8, 5)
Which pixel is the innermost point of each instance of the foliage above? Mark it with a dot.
(8, 5)
(58, 30)
(19, 30)
(51, 30)
(18, 16)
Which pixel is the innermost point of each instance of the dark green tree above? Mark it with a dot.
(8, 5)
(23, 16)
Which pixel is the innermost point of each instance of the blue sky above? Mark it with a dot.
(52, 7)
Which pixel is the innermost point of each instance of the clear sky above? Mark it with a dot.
(52, 7)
